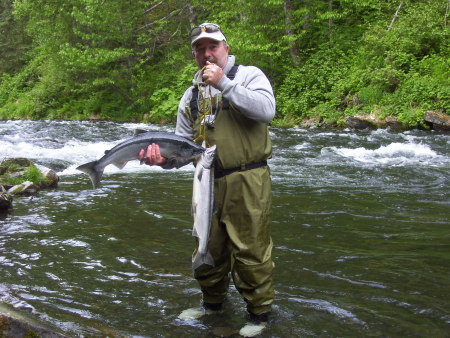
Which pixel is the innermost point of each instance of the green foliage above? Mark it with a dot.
(131, 60)
(15, 175)
(309, 91)
(402, 72)
(168, 90)
(14, 42)
(32, 174)
(426, 87)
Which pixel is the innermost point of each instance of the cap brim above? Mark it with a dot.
(217, 36)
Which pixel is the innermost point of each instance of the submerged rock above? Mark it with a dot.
(50, 178)
(20, 176)
(6, 199)
(17, 171)
(20, 327)
(26, 188)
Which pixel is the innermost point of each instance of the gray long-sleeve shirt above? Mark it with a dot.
(250, 92)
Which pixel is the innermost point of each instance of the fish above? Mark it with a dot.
(202, 206)
(172, 146)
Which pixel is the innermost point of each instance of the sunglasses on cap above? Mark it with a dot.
(205, 27)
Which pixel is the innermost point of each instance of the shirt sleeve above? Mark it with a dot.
(251, 93)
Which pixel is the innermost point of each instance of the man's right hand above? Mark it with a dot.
(152, 156)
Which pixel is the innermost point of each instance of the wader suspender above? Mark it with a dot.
(194, 101)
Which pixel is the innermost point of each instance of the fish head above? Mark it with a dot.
(208, 156)
(185, 150)
(198, 152)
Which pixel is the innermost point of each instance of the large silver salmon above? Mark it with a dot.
(202, 206)
(171, 146)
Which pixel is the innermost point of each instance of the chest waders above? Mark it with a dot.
(240, 240)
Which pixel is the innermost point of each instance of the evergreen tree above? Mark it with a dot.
(131, 60)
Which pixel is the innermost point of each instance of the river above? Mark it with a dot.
(360, 229)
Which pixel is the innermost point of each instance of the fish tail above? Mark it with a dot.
(94, 171)
(200, 259)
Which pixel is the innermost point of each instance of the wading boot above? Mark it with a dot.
(197, 312)
(256, 325)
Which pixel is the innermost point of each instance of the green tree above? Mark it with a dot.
(14, 42)
(131, 60)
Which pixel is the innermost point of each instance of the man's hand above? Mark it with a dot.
(212, 74)
(152, 156)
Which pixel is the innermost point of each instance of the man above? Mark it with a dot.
(230, 106)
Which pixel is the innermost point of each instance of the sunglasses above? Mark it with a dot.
(208, 28)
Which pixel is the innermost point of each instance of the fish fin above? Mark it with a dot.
(95, 173)
(211, 149)
(194, 232)
(139, 131)
(200, 174)
(200, 259)
(120, 165)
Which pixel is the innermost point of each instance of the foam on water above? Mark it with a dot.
(69, 153)
(393, 154)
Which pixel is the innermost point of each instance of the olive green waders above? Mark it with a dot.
(240, 240)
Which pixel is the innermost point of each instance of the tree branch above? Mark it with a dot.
(395, 15)
(152, 7)
(447, 10)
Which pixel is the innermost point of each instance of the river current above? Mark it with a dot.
(360, 230)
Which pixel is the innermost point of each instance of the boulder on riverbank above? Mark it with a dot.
(437, 120)
(20, 176)
(359, 121)
(372, 121)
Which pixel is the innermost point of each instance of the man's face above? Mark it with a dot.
(212, 51)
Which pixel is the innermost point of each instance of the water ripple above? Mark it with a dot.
(348, 280)
(323, 305)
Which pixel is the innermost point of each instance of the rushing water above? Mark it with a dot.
(361, 234)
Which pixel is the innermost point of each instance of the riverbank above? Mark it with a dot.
(431, 120)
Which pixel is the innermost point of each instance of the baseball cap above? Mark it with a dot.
(206, 30)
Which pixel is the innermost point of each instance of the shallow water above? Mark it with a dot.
(361, 234)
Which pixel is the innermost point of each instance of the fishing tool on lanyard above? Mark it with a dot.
(205, 109)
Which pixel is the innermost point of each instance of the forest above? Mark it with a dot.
(130, 60)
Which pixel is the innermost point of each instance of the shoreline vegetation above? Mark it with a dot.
(431, 120)
(329, 61)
